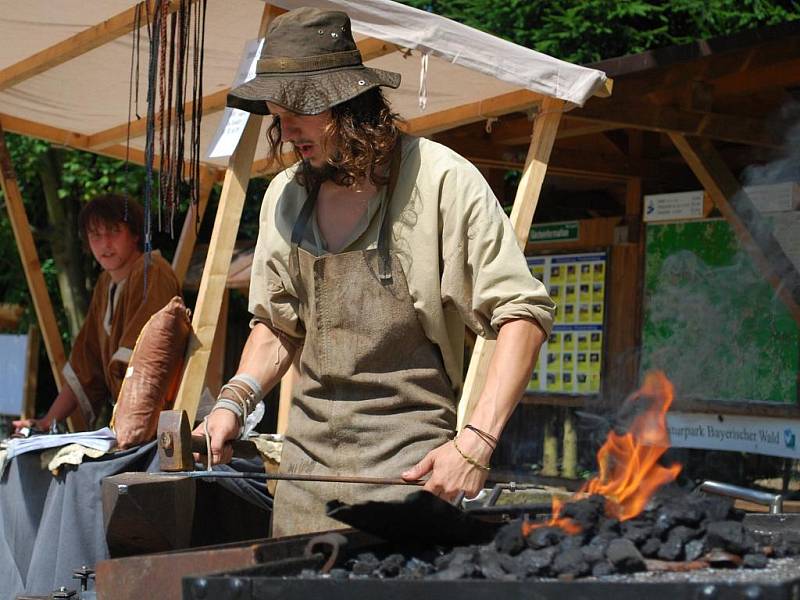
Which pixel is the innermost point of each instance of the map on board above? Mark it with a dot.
(711, 321)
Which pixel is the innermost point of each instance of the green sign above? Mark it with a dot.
(554, 232)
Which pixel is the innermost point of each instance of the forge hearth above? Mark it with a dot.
(780, 580)
(677, 531)
(715, 555)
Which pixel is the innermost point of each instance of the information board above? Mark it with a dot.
(570, 361)
(712, 323)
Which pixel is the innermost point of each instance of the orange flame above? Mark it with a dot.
(629, 470)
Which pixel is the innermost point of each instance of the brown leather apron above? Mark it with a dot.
(373, 397)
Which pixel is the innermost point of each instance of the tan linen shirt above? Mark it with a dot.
(454, 241)
(105, 343)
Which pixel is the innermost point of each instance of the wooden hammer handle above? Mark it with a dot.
(241, 448)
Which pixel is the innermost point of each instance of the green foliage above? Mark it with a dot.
(585, 31)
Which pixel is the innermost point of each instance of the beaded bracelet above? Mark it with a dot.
(469, 459)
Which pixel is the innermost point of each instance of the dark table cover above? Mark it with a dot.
(52, 525)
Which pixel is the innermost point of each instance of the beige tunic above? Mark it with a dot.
(104, 344)
(451, 236)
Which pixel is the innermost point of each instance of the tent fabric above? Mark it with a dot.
(465, 46)
(89, 93)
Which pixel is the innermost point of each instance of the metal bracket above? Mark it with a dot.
(773, 501)
(327, 543)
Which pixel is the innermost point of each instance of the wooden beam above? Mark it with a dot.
(55, 135)
(216, 362)
(194, 217)
(138, 127)
(33, 271)
(370, 48)
(215, 273)
(218, 261)
(782, 75)
(737, 208)
(527, 197)
(730, 128)
(586, 164)
(78, 44)
(31, 374)
(516, 131)
(473, 112)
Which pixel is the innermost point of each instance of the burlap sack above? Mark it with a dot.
(153, 375)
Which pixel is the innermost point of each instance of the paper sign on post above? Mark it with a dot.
(233, 120)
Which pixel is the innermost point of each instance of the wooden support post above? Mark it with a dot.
(216, 362)
(215, 273)
(624, 316)
(218, 261)
(569, 446)
(33, 274)
(31, 374)
(194, 217)
(550, 442)
(544, 133)
(739, 211)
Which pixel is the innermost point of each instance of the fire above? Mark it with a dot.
(629, 473)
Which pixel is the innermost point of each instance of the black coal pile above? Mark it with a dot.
(677, 531)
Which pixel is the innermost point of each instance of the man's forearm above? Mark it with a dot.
(63, 406)
(266, 356)
(515, 354)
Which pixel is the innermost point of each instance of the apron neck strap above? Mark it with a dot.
(299, 229)
(386, 225)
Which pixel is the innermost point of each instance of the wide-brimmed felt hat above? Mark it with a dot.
(308, 64)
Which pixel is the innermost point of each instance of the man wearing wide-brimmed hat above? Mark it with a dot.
(374, 251)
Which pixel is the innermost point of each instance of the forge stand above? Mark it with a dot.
(280, 577)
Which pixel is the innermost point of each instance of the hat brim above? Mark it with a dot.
(308, 93)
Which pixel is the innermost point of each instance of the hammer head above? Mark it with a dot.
(174, 441)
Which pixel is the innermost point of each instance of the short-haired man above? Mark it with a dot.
(374, 252)
(111, 225)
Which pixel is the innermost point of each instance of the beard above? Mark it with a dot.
(318, 175)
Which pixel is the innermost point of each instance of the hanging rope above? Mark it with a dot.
(175, 42)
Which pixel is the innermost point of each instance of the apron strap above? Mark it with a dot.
(299, 229)
(300, 225)
(385, 274)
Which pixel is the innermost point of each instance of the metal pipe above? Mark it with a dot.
(288, 477)
(773, 501)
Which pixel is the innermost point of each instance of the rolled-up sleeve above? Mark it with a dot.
(485, 274)
(272, 300)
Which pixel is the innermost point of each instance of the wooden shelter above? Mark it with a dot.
(691, 117)
(55, 58)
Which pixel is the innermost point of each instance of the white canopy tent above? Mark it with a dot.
(65, 78)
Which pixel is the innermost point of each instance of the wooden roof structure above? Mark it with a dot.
(680, 118)
(59, 53)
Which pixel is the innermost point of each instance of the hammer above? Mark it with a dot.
(176, 443)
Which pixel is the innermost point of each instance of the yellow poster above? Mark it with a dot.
(571, 360)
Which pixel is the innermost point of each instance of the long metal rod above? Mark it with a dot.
(289, 477)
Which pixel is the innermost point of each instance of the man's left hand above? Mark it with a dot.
(450, 473)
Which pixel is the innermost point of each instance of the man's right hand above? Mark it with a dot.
(223, 426)
(42, 424)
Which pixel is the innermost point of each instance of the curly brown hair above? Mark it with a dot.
(366, 132)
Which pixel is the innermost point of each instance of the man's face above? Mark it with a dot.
(113, 246)
(304, 132)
